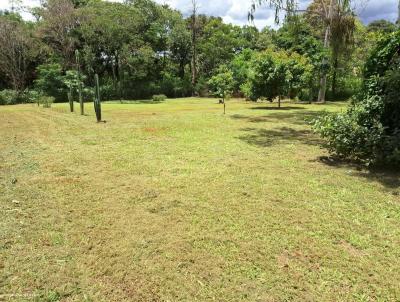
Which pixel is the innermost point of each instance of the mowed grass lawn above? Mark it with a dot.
(178, 202)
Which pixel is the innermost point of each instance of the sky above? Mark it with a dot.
(236, 11)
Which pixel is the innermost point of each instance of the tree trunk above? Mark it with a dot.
(398, 15)
(194, 46)
(119, 76)
(334, 75)
(324, 74)
(193, 63)
(182, 69)
(322, 84)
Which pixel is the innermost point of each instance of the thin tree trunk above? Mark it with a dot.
(398, 15)
(119, 75)
(194, 46)
(334, 75)
(182, 69)
(322, 84)
(322, 89)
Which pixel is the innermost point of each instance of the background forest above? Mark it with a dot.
(140, 49)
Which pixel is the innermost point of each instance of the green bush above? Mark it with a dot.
(355, 134)
(369, 131)
(159, 98)
(201, 88)
(8, 97)
(87, 94)
(174, 86)
(47, 101)
(29, 96)
(50, 81)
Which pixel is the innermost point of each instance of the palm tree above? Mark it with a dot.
(339, 22)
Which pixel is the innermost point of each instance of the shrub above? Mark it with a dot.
(8, 97)
(159, 98)
(356, 133)
(50, 81)
(30, 96)
(369, 131)
(87, 94)
(174, 86)
(46, 101)
(201, 87)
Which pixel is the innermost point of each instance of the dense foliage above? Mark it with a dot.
(370, 129)
(222, 83)
(275, 74)
(140, 48)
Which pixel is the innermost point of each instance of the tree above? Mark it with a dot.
(194, 29)
(59, 22)
(240, 66)
(381, 26)
(339, 21)
(369, 130)
(17, 52)
(398, 14)
(180, 46)
(50, 81)
(275, 74)
(218, 45)
(335, 15)
(288, 6)
(222, 83)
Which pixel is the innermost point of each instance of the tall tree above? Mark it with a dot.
(57, 29)
(17, 52)
(398, 14)
(330, 12)
(194, 28)
(339, 22)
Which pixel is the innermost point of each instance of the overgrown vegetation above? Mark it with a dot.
(370, 129)
(155, 50)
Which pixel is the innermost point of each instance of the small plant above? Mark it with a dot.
(30, 96)
(222, 84)
(46, 101)
(159, 98)
(97, 103)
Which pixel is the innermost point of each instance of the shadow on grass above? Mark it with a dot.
(267, 138)
(278, 108)
(296, 118)
(388, 177)
(127, 102)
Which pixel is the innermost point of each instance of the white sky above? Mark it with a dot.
(236, 11)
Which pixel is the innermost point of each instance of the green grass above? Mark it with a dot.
(177, 202)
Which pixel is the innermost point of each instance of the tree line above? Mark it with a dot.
(140, 48)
